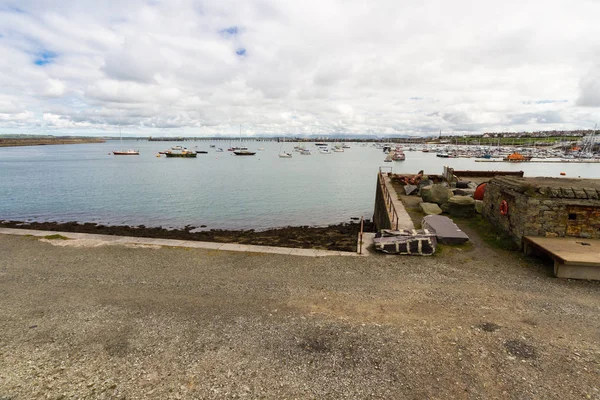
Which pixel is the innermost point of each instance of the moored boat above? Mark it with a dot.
(180, 154)
(126, 153)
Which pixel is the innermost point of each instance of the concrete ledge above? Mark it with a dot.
(129, 240)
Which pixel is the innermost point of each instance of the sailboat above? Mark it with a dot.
(129, 152)
(284, 154)
(243, 151)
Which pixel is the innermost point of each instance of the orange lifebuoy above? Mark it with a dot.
(503, 207)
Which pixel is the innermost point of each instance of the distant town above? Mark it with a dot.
(522, 138)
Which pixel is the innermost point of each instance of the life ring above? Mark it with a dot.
(503, 207)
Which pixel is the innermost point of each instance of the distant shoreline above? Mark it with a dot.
(18, 142)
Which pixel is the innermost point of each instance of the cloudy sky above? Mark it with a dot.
(188, 67)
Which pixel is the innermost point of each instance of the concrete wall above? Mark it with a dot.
(381, 217)
(531, 213)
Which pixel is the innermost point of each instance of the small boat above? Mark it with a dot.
(305, 152)
(212, 146)
(129, 152)
(320, 144)
(180, 154)
(261, 149)
(345, 146)
(324, 150)
(243, 151)
(338, 149)
(126, 152)
(398, 155)
(517, 157)
(201, 152)
(285, 155)
(219, 150)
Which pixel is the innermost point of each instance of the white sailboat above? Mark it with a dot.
(243, 151)
(128, 152)
(284, 154)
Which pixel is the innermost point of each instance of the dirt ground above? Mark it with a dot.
(340, 237)
(119, 322)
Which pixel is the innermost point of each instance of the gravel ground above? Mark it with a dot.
(116, 322)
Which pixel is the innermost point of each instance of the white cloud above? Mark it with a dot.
(341, 66)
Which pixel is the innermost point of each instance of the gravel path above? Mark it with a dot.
(119, 322)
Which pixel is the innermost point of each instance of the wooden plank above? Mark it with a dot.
(573, 251)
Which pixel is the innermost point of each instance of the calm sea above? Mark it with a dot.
(85, 183)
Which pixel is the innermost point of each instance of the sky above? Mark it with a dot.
(318, 67)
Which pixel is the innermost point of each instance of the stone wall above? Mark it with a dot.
(542, 210)
(381, 217)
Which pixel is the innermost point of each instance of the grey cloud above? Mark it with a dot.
(544, 117)
(166, 66)
(589, 89)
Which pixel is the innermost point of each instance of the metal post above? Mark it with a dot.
(360, 240)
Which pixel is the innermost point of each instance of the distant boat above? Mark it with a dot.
(180, 154)
(212, 145)
(305, 152)
(399, 156)
(284, 154)
(129, 152)
(201, 152)
(219, 150)
(126, 153)
(324, 150)
(242, 151)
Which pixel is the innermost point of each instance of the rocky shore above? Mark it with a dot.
(340, 237)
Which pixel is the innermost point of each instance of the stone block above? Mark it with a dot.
(479, 206)
(461, 206)
(410, 189)
(580, 193)
(591, 193)
(567, 193)
(430, 208)
(445, 229)
(436, 193)
(555, 192)
(464, 192)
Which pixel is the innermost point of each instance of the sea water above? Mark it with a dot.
(86, 183)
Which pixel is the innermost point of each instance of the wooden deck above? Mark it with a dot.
(574, 258)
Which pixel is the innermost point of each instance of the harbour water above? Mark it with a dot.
(86, 183)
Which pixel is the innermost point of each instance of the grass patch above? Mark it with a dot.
(489, 233)
(56, 237)
(447, 249)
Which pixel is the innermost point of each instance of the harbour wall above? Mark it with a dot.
(381, 216)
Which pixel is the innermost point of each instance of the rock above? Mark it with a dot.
(445, 207)
(464, 192)
(425, 182)
(410, 189)
(436, 193)
(478, 206)
(461, 206)
(445, 229)
(430, 208)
